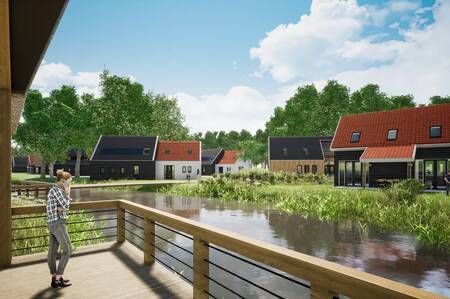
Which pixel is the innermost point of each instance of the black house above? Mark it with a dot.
(118, 157)
(20, 164)
(210, 157)
(69, 164)
(380, 148)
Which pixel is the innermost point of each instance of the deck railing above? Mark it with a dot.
(137, 224)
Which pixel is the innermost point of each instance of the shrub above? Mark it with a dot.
(405, 192)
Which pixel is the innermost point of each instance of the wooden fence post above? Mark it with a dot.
(149, 239)
(201, 268)
(120, 225)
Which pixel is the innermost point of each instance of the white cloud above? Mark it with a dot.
(329, 43)
(403, 5)
(421, 68)
(52, 75)
(241, 107)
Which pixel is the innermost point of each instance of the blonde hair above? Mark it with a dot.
(61, 174)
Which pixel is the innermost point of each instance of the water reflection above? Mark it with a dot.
(395, 256)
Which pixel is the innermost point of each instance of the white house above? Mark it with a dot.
(178, 160)
(230, 163)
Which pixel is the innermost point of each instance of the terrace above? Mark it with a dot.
(131, 265)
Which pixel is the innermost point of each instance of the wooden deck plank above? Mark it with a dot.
(99, 271)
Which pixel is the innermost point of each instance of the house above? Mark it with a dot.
(378, 148)
(36, 165)
(231, 163)
(69, 164)
(301, 155)
(120, 157)
(178, 160)
(210, 157)
(20, 164)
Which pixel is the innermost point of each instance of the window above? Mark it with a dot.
(228, 169)
(111, 170)
(305, 151)
(146, 152)
(189, 169)
(136, 170)
(285, 152)
(241, 168)
(189, 151)
(306, 167)
(102, 170)
(167, 151)
(122, 170)
(392, 134)
(299, 169)
(435, 132)
(419, 170)
(183, 169)
(314, 169)
(355, 137)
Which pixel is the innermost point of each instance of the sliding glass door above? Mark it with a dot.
(349, 173)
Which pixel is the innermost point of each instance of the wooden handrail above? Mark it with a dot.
(326, 278)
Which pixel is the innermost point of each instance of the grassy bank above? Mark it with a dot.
(427, 216)
(37, 234)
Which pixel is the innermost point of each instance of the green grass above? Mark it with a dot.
(427, 217)
(39, 234)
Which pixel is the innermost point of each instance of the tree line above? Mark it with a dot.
(62, 121)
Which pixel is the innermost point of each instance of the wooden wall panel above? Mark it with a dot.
(291, 165)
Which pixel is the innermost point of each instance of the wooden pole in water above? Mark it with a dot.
(5, 136)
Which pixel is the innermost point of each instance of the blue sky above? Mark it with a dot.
(240, 59)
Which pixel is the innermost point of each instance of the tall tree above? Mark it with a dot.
(435, 100)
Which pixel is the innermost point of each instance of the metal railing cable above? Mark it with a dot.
(260, 266)
(223, 286)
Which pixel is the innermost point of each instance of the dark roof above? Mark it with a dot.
(125, 148)
(326, 144)
(20, 161)
(72, 155)
(211, 156)
(296, 148)
(412, 125)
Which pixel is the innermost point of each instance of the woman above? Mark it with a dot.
(58, 201)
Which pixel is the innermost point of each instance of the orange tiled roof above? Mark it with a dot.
(388, 153)
(413, 126)
(229, 157)
(178, 151)
(35, 160)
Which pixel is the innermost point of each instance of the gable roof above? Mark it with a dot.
(178, 151)
(229, 157)
(211, 156)
(20, 161)
(125, 148)
(297, 148)
(326, 147)
(413, 125)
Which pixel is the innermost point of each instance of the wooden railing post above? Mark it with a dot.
(5, 136)
(320, 292)
(120, 225)
(149, 239)
(201, 268)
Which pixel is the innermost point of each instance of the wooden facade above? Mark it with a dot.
(301, 155)
(295, 165)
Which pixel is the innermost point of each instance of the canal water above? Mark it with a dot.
(392, 255)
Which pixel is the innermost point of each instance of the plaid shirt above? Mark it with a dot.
(56, 198)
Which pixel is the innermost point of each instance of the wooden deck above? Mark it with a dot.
(106, 270)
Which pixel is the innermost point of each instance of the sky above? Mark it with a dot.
(231, 62)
